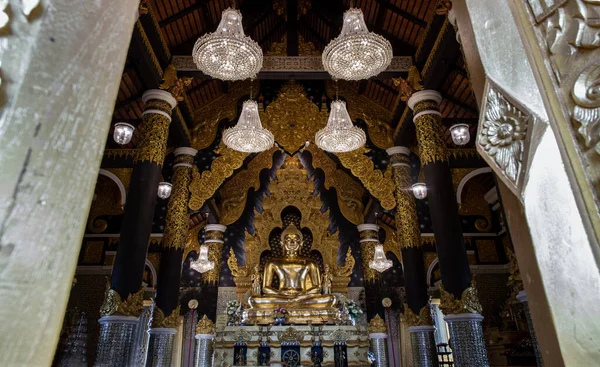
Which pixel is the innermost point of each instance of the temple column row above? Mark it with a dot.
(416, 308)
(123, 302)
(166, 311)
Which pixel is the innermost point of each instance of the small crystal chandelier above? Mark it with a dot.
(203, 264)
(228, 54)
(379, 262)
(248, 135)
(460, 134)
(419, 190)
(123, 133)
(164, 190)
(340, 135)
(356, 53)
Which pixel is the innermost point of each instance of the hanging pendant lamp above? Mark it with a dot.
(248, 135)
(340, 135)
(228, 54)
(356, 53)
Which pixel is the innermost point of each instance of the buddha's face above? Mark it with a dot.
(291, 243)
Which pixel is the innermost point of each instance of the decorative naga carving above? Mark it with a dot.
(349, 192)
(204, 186)
(234, 192)
(113, 304)
(380, 186)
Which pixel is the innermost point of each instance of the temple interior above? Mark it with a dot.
(306, 183)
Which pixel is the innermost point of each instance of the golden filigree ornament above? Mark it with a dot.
(205, 326)
(204, 186)
(410, 85)
(293, 118)
(468, 302)
(154, 128)
(407, 222)
(160, 321)
(422, 319)
(177, 220)
(362, 167)
(131, 306)
(427, 118)
(107, 201)
(377, 325)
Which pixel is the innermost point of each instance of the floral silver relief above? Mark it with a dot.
(503, 132)
(586, 112)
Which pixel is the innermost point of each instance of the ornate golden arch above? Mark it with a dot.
(292, 188)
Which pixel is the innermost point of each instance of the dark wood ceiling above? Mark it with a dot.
(402, 22)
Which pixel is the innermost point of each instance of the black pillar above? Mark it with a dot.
(128, 269)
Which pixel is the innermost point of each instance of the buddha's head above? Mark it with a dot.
(291, 240)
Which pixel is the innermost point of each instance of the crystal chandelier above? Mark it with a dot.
(460, 134)
(203, 264)
(340, 135)
(228, 54)
(379, 262)
(356, 53)
(248, 135)
(123, 133)
(164, 190)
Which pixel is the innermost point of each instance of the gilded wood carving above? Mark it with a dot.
(204, 186)
(293, 118)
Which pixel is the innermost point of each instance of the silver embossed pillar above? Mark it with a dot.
(522, 297)
(466, 340)
(204, 342)
(140, 346)
(424, 350)
(114, 343)
(377, 340)
(160, 348)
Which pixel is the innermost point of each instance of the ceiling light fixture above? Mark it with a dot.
(164, 190)
(340, 135)
(248, 135)
(356, 53)
(123, 133)
(420, 190)
(228, 54)
(460, 134)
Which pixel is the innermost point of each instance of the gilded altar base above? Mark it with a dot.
(325, 316)
(356, 339)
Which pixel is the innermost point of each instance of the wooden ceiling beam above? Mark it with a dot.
(404, 14)
(190, 9)
(458, 103)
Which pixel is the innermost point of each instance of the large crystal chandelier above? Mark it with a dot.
(202, 264)
(340, 135)
(380, 262)
(248, 134)
(356, 53)
(228, 54)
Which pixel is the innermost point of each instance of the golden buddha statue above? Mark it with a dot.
(299, 279)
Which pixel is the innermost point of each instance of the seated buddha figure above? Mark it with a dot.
(299, 279)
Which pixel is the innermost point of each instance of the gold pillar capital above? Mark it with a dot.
(427, 119)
